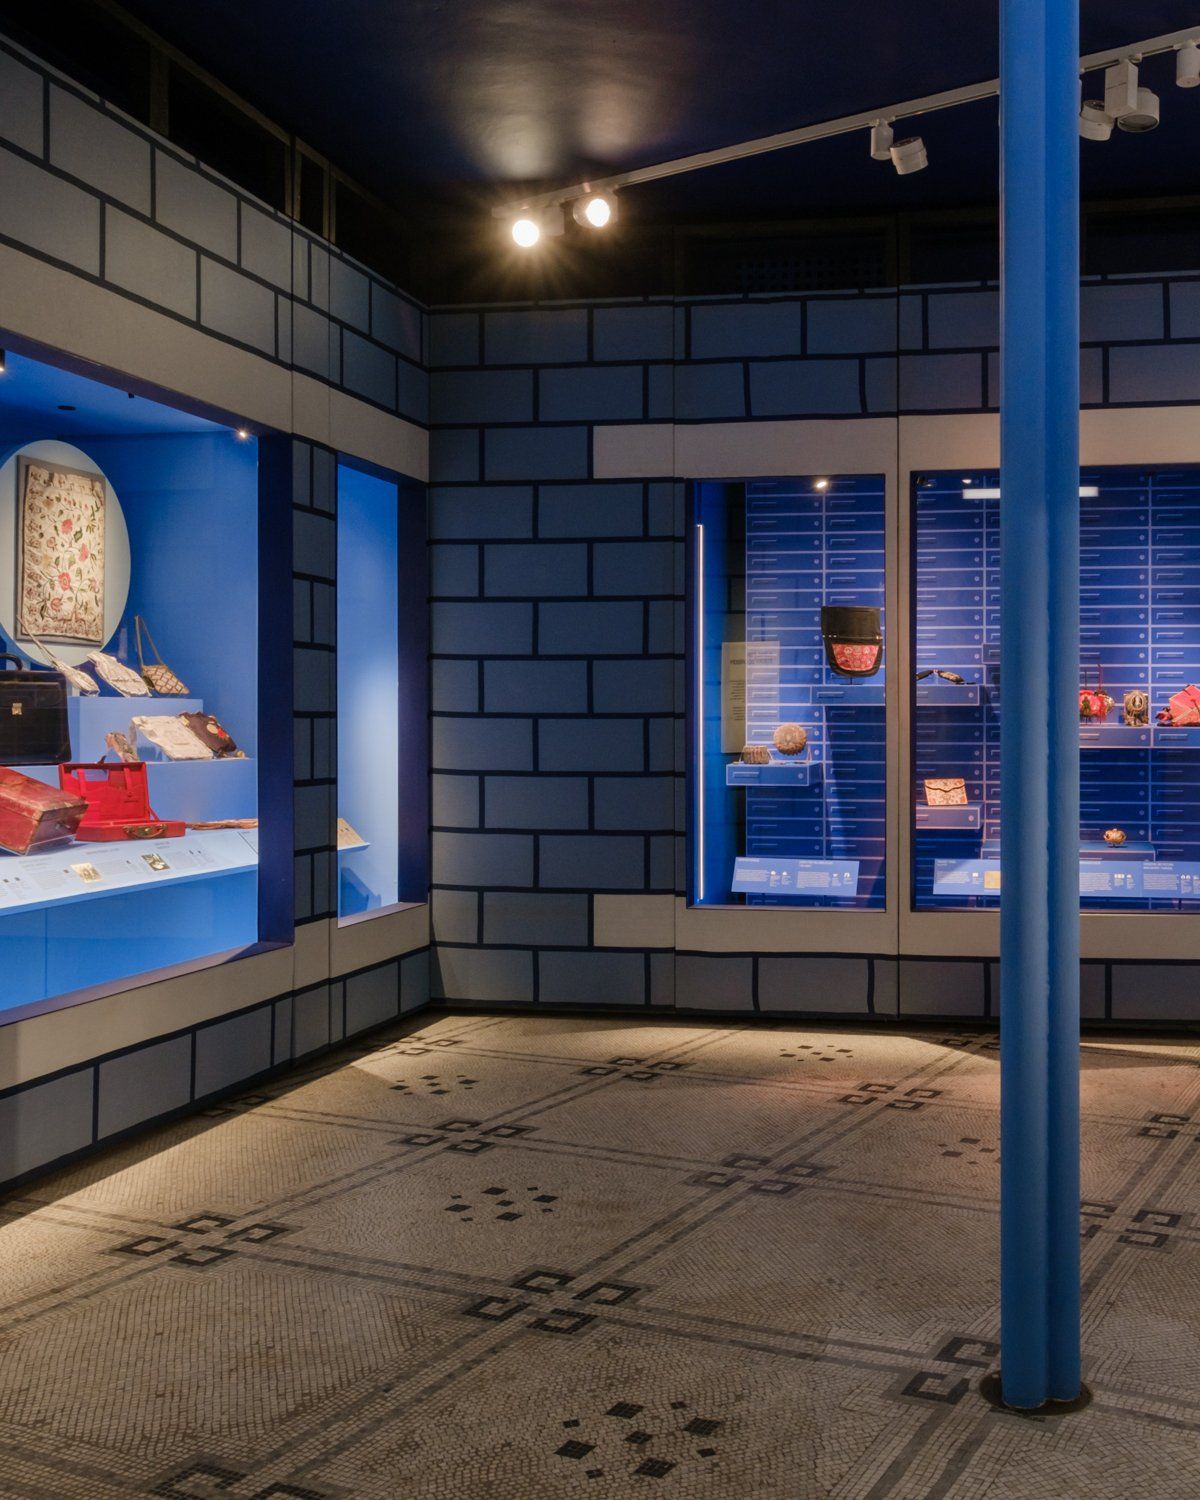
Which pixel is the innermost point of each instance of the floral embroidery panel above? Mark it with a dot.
(61, 526)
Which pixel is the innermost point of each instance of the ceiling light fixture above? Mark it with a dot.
(3, 361)
(1134, 108)
(1187, 65)
(909, 155)
(243, 432)
(530, 226)
(821, 484)
(1095, 123)
(596, 211)
(881, 140)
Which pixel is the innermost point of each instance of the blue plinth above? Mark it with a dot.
(800, 771)
(198, 791)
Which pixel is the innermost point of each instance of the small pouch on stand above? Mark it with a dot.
(209, 731)
(945, 791)
(853, 639)
(120, 678)
(168, 733)
(157, 676)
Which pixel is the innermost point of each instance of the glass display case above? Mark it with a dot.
(1139, 732)
(382, 693)
(788, 731)
(129, 703)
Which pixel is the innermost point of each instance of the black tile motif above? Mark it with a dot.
(145, 1245)
(204, 1223)
(197, 1481)
(927, 1385)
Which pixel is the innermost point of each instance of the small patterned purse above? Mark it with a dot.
(158, 677)
(171, 735)
(121, 678)
(211, 732)
(945, 791)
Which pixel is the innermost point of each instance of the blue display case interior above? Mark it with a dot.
(800, 830)
(1139, 630)
(382, 692)
(189, 490)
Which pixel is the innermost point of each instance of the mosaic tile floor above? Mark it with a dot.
(535, 1257)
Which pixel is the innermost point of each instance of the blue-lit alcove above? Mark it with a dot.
(382, 692)
(1139, 632)
(807, 829)
(188, 489)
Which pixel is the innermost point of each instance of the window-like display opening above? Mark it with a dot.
(129, 692)
(382, 695)
(789, 775)
(1138, 706)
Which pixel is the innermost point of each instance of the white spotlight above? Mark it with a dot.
(528, 228)
(595, 211)
(1144, 117)
(881, 140)
(1095, 124)
(1187, 65)
(909, 155)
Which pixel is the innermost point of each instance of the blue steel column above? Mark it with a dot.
(1039, 782)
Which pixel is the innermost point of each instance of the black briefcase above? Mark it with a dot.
(33, 716)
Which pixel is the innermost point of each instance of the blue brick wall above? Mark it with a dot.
(559, 630)
(87, 190)
(85, 187)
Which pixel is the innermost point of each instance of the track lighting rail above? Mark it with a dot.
(824, 129)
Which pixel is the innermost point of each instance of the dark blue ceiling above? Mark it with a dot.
(457, 99)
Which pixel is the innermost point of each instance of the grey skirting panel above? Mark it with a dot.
(51, 1120)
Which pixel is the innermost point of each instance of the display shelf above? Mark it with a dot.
(1115, 736)
(949, 694)
(800, 771)
(966, 818)
(196, 791)
(60, 877)
(90, 719)
(1092, 849)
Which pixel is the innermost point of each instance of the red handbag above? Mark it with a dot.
(1182, 707)
(118, 802)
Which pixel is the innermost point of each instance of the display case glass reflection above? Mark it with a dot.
(1139, 728)
(789, 773)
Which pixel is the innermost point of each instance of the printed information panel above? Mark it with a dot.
(820, 877)
(1117, 880)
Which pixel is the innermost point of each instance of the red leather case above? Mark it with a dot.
(118, 802)
(34, 816)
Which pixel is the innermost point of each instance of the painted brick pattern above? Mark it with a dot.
(558, 625)
(87, 188)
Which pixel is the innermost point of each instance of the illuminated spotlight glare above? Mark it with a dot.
(243, 432)
(596, 211)
(1187, 65)
(1095, 123)
(909, 155)
(821, 484)
(3, 361)
(526, 232)
(1144, 117)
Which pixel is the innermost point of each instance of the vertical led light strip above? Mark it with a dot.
(700, 726)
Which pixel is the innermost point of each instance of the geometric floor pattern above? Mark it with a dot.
(527, 1257)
